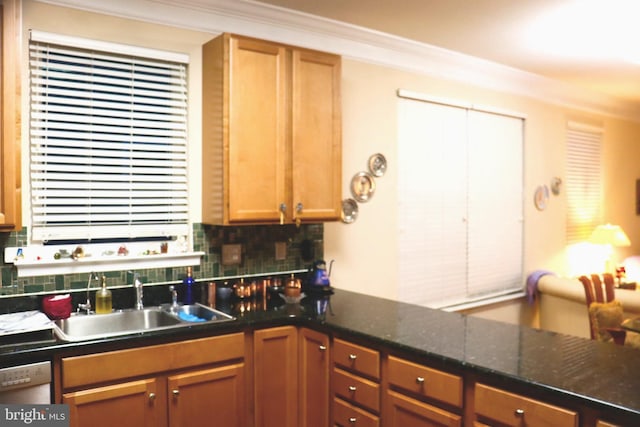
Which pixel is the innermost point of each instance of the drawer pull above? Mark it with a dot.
(352, 356)
(176, 392)
(152, 397)
(519, 412)
(352, 388)
(322, 347)
(352, 420)
(420, 380)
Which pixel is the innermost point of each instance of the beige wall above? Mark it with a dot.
(365, 251)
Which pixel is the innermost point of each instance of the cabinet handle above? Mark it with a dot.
(420, 380)
(283, 209)
(152, 397)
(519, 412)
(352, 420)
(352, 356)
(299, 208)
(322, 347)
(175, 392)
(352, 388)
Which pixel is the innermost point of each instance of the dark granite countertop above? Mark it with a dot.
(602, 376)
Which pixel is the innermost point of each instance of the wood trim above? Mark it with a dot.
(11, 120)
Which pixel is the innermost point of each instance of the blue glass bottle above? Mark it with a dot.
(187, 287)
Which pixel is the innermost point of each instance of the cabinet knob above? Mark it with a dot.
(152, 397)
(420, 380)
(352, 357)
(352, 420)
(352, 388)
(322, 347)
(175, 392)
(519, 412)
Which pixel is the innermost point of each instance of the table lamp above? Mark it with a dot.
(611, 236)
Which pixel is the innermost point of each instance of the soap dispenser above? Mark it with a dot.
(103, 298)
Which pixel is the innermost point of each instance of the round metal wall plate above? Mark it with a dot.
(377, 164)
(363, 185)
(349, 211)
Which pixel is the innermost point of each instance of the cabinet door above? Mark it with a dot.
(403, 411)
(316, 136)
(314, 379)
(131, 404)
(208, 397)
(10, 36)
(257, 130)
(275, 362)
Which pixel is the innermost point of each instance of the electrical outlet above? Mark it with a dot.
(281, 251)
(231, 254)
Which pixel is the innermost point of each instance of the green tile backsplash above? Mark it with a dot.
(258, 256)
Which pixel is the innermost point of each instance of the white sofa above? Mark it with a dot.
(563, 308)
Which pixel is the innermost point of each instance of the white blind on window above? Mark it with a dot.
(108, 144)
(460, 195)
(583, 181)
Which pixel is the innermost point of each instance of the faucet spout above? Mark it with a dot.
(137, 284)
(86, 307)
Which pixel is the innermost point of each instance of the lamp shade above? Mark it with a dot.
(609, 234)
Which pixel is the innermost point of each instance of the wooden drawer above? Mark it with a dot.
(346, 415)
(356, 389)
(515, 410)
(356, 358)
(135, 362)
(425, 381)
(405, 411)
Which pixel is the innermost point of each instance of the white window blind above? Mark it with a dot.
(583, 181)
(460, 196)
(108, 135)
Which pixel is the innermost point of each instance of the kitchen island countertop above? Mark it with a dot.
(602, 376)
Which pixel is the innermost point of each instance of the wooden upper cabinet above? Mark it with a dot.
(10, 48)
(271, 133)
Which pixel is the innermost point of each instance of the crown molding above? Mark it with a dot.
(264, 21)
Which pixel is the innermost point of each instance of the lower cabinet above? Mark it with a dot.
(275, 377)
(105, 406)
(291, 377)
(313, 378)
(194, 382)
(493, 405)
(206, 397)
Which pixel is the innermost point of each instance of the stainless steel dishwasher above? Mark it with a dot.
(26, 383)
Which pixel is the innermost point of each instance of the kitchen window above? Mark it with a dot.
(460, 191)
(108, 140)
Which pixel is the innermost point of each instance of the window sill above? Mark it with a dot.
(27, 268)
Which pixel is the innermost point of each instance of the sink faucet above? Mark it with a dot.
(87, 305)
(139, 291)
(174, 299)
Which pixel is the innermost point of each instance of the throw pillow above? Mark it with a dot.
(605, 315)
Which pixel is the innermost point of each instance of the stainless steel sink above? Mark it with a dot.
(95, 326)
